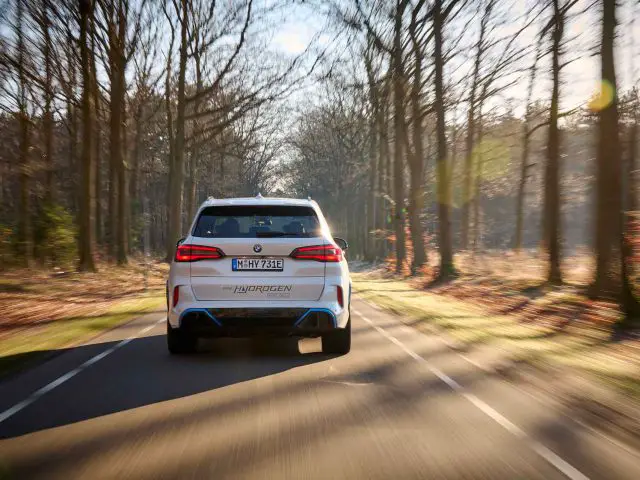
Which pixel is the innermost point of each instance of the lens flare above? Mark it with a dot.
(602, 99)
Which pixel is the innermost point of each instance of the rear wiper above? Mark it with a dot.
(276, 234)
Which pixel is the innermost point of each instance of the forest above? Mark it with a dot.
(427, 131)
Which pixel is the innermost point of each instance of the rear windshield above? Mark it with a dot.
(257, 221)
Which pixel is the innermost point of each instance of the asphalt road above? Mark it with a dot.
(400, 405)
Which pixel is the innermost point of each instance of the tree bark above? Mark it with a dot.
(190, 190)
(552, 173)
(471, 124)
(47, 114)
(478, 165)
(524, 159)
(177, 174)
(371, 252)
(97, 150)
(398, 147)
(416, 159)
(134, 196)
(86, 226)
(25, 227)
(380, 211)
(384, 181)
(169, 243)
(608, 282)
(118, 193)
(630, 304)
(442, 170)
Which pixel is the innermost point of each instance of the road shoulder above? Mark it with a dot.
(491, 343)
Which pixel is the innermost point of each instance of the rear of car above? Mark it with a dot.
(257, 267)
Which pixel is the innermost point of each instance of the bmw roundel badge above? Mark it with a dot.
(257, 248)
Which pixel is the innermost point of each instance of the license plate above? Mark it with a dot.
(257, 264)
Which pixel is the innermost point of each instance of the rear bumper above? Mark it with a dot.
(251, 322)
(260, 317)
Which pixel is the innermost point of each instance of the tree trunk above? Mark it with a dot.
(380, 211)
(468, 164)
(25, 228)
(371, 246)
(118, 194)
(389, 186)
(524, 160)
(552, 173)
(416, 160)
(47, 114)
(134, 194)
(113, 200)
(97, 150)
(371, 253)
(194, 160)
(371, 243)
(608, 281)
(72, 124)
(630, 304)
(169, 244)
(442, 170)
(190, 191)
(384, 177)
(398, 127)
(478, 165)
(177, 174)
(86, 227)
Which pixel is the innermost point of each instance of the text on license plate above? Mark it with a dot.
(257, 264)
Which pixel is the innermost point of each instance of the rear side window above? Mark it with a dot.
(257, 221)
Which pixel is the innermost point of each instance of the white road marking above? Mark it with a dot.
(10, 412)
(563, 466)
(543, 401)
(349, 384)
(474, 363)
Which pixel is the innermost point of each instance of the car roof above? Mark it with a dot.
(259, 200)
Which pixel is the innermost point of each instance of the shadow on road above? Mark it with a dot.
(144, 373)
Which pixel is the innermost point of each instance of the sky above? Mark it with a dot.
(580, 77)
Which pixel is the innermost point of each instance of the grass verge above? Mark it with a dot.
(36, 343)
(579, 346)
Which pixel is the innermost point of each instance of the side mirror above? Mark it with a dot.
(180, 241)
(342, 243)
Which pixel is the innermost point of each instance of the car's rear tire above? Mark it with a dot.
(179, 342)
(338, 341)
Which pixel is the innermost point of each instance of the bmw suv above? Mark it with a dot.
(255, 267)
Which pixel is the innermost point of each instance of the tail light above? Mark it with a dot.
(319, 253)
(193, 253)
(340, 296)
(176, 295)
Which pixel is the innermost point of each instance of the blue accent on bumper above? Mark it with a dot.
(200, 310)
(296, 323)
(311, 310)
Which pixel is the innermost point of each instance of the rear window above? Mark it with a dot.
(257, 221)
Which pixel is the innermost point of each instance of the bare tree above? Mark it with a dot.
(526, 139)
(416, 158)
(440, 15)
(25, 227)
(481, 46)
(86, 223)
(552, 170)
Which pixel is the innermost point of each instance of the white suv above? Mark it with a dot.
(259, 266)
